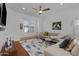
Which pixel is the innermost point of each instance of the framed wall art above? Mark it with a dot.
(56, 25)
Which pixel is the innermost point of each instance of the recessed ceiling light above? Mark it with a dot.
(23, 8)
(61, 4)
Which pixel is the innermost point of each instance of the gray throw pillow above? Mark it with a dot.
(64, 43)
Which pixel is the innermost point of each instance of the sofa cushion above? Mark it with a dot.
(55, 50)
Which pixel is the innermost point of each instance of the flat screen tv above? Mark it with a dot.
(3, 15)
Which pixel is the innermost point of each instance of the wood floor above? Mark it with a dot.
(20, 51)
(16, 50)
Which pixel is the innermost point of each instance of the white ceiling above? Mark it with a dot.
(54, 8)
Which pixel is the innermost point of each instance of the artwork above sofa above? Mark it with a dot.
(56, 25)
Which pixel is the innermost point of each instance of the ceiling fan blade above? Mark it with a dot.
(46, 9)
(35, 9)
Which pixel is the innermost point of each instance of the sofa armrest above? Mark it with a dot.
(55, 50)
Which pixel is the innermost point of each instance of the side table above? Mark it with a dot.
(10, 52)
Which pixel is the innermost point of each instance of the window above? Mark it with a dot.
(28, 26)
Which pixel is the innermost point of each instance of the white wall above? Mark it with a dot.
(66, 25)
(13, 26)
(67, 17)
(16, 19)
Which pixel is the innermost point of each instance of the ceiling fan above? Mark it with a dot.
(40, 10)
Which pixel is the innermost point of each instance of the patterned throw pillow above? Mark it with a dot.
(71, 44)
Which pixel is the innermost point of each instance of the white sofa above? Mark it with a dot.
(55, 50)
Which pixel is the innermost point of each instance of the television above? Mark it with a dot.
(3, 15)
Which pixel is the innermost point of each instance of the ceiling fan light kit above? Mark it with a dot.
(40, 12)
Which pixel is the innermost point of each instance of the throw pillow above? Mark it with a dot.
(71, 44)
(64, 43)
(45, 33)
